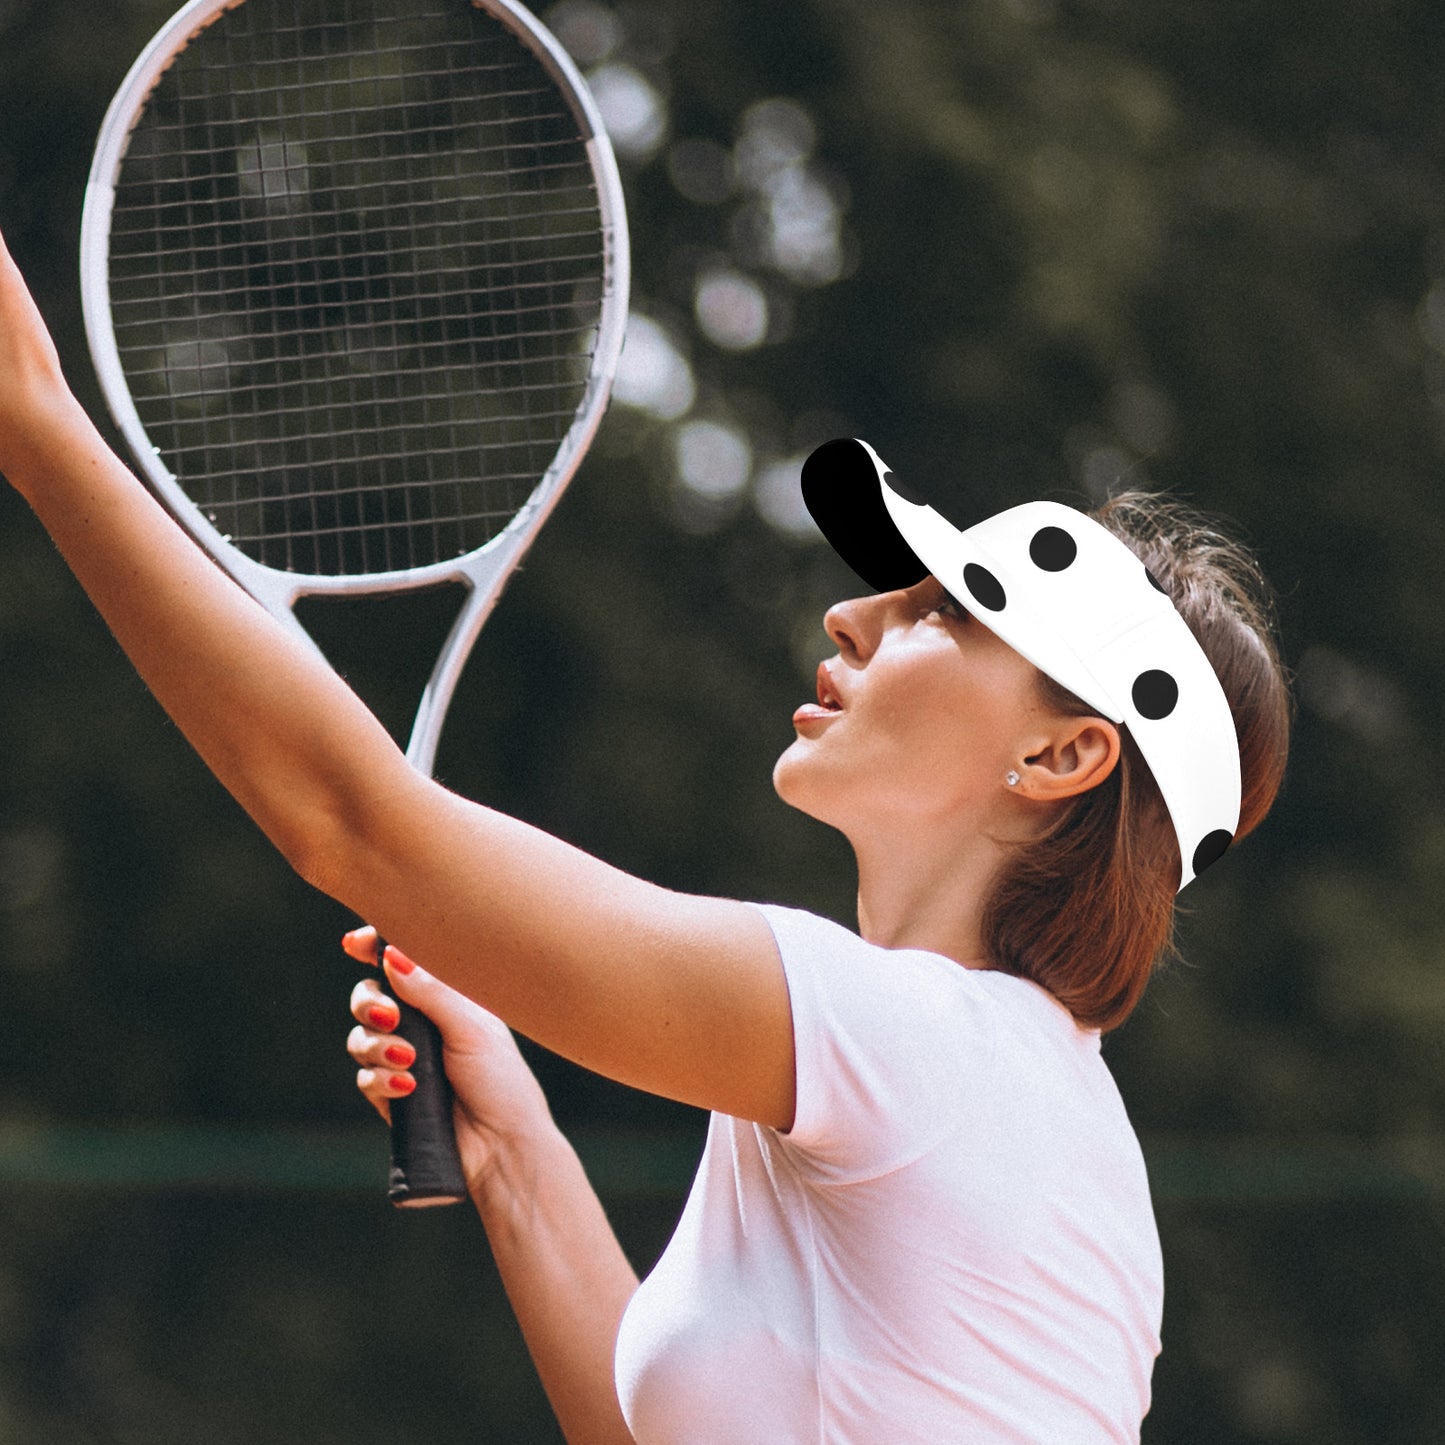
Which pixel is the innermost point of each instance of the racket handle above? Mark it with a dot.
(426, 1168)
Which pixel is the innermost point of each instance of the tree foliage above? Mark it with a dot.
(1024, 247)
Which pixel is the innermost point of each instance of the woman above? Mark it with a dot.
(922, 1214)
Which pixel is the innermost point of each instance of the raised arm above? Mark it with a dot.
(679, 995)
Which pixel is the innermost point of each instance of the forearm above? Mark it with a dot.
(567, 1278)
(277, 726)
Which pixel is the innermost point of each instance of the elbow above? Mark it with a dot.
(319, 846)
(314, 824)
(321, 864)
(344, 844)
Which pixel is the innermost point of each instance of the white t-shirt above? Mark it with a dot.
(953, 1243)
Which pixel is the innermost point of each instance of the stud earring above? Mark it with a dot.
(1011, 778)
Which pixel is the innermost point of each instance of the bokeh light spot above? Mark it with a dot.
(653, 375)
(775, 134)
(778, 498)
(714, 460)
(589, 32)
(632, 110)
(731, 310)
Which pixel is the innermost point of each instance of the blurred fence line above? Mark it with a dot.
(656, 1163)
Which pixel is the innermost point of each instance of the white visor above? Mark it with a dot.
(1072, 598)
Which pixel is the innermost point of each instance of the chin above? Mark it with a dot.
(783, 770)
(797, 781)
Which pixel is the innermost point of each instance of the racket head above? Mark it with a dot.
(355, 278)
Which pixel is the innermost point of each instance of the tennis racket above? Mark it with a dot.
(355, 278)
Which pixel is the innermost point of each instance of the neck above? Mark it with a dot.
(918, 890)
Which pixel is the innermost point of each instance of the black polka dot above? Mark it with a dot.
(984, 587)
(1155, 694)
(1052, 549)
(906, 492)
(1154, 582)
(1211, 849)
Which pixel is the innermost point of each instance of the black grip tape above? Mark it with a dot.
(425, 1166)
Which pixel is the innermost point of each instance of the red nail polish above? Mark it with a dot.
(400, 1055)
(403, 1083)
(397, 960)
(383, 1018)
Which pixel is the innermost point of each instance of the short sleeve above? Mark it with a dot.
(888, 1043)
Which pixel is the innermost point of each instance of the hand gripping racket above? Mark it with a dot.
(355, 279)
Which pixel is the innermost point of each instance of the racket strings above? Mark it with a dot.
(356, 275)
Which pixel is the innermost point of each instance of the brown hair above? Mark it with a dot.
(1087, 910)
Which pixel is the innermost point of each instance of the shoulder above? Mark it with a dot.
(892, 1047)
(821, 957)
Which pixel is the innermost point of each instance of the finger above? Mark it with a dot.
(380, 1086)
(385, 1084)
(373, 1093)
(379, 1051)
(396, 961)
(370, 1006)
(360, 944)
(448, 1009)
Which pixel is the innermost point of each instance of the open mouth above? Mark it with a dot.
(827, 697)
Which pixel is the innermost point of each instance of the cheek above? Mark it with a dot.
(927, 715)
(958, 728)
(927, 731)
(924, 740)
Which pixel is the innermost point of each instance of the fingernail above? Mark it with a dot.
(383, 1018)
(403, 1083)
(396, 959)
(400, 1055)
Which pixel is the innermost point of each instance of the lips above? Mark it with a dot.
(828, 706)
(827, 694)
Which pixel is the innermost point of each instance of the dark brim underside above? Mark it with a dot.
(841, 490)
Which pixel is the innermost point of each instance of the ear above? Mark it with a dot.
(1078, 754)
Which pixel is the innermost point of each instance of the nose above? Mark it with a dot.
(857, 625)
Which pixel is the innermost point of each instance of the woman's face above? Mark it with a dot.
(919, 716)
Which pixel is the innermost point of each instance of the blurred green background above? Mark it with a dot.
(1025, 247)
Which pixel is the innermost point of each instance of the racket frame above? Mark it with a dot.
(484, 571)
